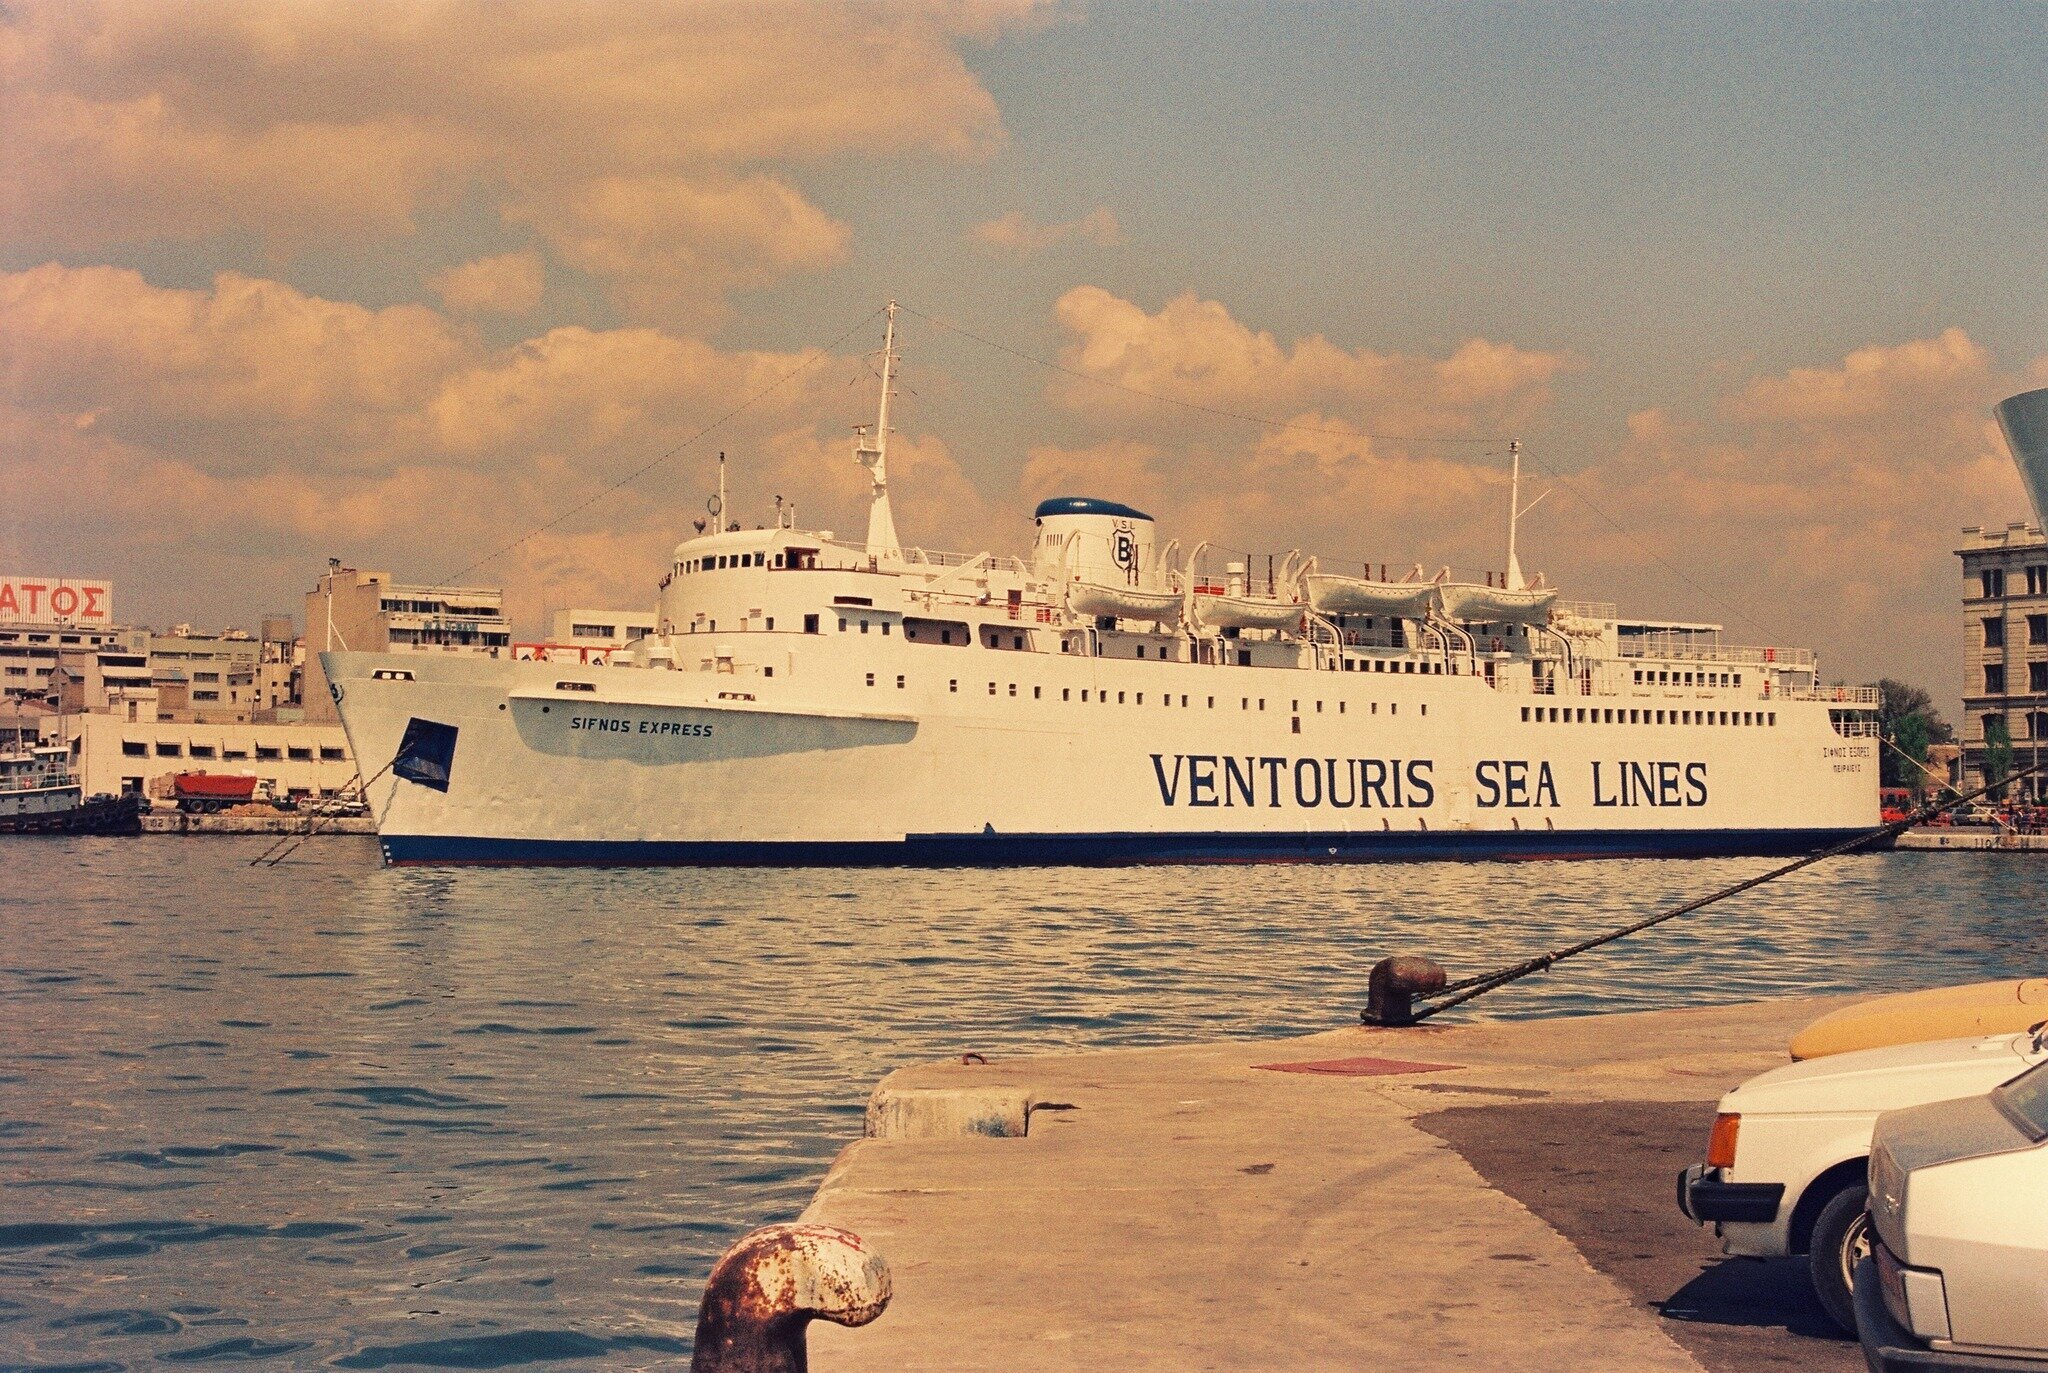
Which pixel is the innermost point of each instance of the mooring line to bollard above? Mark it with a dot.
(312, 827)
(1396, 981)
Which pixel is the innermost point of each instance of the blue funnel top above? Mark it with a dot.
(1086, 505)
(2024, 418)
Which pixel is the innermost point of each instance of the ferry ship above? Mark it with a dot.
(1106, 699)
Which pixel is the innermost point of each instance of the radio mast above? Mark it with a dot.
(874, 456)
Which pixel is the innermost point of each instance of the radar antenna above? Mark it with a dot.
(882, 542)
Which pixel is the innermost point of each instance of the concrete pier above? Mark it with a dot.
(1480, 1195)
(284, 822)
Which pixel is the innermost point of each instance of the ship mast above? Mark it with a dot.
(1514, 572)
(874, 456)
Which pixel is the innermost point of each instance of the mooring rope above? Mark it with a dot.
(1457, 993)
(298, 837)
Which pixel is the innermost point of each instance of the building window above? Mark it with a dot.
(164, 750)
(2037, 677)
(2037, 629)
(266, 753)
(1992, 580)
(1994, 679)
(2037, 724)
(1994, 632)
(2037, 580)
(202, 750)
(299, 755)
(134, 748)
(333, 755)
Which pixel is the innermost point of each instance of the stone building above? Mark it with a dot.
(2005, 613)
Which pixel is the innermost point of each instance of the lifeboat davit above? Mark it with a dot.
(1467, 601)
(1334, 595)
(1124, 602)
(1224, 611)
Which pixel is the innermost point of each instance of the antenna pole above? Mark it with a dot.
(1514, 569)
(723, 518)
(874, 456)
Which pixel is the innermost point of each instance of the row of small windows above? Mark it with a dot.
(137, 748)
(1667, 677)
(1994, 679)
(2035, 721)
(1101, 697)
(1614, 715)
(1992, 581)
(1994, 630)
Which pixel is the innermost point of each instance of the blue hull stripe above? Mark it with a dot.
(1053, 850)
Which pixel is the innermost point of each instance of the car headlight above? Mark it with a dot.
(1887, 1184)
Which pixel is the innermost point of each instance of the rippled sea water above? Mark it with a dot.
(331, 1114)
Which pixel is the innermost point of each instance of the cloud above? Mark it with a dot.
(243, 432)
(641, 142)
(508, 284)
(672, 248)
(1017, 233)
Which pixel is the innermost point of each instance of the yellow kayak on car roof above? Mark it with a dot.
(1980, 1008)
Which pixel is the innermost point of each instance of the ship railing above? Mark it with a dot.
(1868, 697)
(1854, 726)
(1602, 612)
(1678, 648)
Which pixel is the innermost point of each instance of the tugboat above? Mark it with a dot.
(39, 794)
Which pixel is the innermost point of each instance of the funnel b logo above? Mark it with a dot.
(1124, 548)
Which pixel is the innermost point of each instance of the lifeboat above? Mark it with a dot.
(1466, 601)
(1223, 611)
(1124, 602)
(1334, 595)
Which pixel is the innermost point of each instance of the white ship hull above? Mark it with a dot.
(813, 766)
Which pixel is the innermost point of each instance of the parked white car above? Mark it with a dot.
(1787, 1157)
(1958, 1273)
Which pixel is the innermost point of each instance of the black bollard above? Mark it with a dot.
(767, 1289)
(1395, 983)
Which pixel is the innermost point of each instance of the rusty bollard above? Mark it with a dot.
(1395, 983)
(766, 1290)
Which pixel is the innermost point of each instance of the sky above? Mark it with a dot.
(478, 292)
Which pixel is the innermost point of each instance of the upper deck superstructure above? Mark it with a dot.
(1107, 697)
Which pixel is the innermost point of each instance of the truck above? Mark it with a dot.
(202, 793)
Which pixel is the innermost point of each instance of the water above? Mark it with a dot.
(332, 1114)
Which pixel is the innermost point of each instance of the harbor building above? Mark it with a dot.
(599, 628)
(44, 618)
(128, 747)
(2005, 614)
(367, 612)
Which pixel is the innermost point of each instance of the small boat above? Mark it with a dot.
(1124, 602)
(1470, 602)
(1224, 611)
(1976, 1008)
(40, 795)
(1331, 594)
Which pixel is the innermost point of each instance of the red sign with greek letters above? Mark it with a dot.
(56, 601)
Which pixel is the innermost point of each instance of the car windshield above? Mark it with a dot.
(2025, 1101)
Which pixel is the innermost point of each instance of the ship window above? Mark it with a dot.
(778, 560)
(1262, 703)
(1393, 707)
(1244, 703)
(953, 685)
(1772, 717)
(1013, 688)
(842, 624)
(1066, 693)
(1084, 696)
(863, 626)
(871, 679)
(1525, 715)
(885, 627)
(1319, 707)
(1340, 707)
(1294, 705)
(1019, 641)
(1141, 698)
(1119, 698)
(1425, 707)
(991, 688)
(1297, 725)
(1037, 693)
(899, 681)
(810, 624)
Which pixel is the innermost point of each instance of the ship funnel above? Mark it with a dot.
(1097, 541)
(2024, 418)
